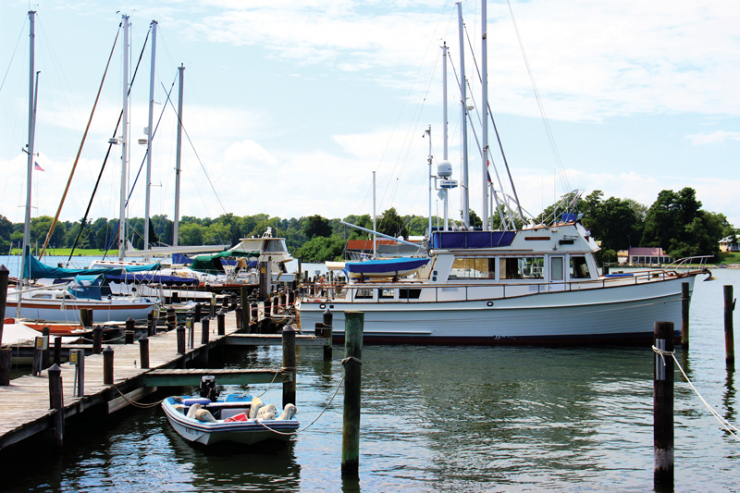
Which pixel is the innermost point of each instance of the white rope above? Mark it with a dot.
(729, 427)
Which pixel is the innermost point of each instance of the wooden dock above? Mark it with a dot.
(25, 407)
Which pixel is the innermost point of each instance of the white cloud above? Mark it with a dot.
(714, 137)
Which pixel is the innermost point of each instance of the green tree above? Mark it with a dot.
(321, 249)
(318, 226)
(191, 234)
(392, 224)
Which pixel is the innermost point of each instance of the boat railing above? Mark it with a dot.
(698, 262)
(409, 292)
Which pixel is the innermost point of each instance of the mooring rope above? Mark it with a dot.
(137, 404)
(312, 422)
(729, 427)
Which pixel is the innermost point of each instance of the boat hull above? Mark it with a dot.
(69, 312)
(622, 315)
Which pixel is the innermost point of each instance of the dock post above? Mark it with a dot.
(151, 324)
(244, 296)
(221, 322)
(180, 339)
(144, 351)
(245, 315)
(191, 330)
(224, 303)
(354, 326)
(300, 269)
(56, 402)
(205, 327)
(80, 372)
(213, 306)
(130, 327)
(45, 332)
(232, 301)
(685, 299)
(327, 332)
(84, 322)
(289, 364)
(5, 354)
(57, 351)
(171, 319)
(90, 318)
(663, 404)
(198, 312)
(108, 366)
(729, 327)
(238, 315)
(266, 321)
(97, 340)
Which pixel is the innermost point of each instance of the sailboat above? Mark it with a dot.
(535, 285)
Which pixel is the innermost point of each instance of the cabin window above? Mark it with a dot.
(409, 294)
(522, 268)
(579, 268)
(364, 294)
(556, 268)
(473, 268)
(42, 296)
(386, 294)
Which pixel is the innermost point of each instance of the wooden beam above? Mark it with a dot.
(121, 402)
(273, 340)
(180, 378)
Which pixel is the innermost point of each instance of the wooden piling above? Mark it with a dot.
(221, 323)
(239, 321)
(245, 315)
(685, 299)
(180, 339)
(56, 402)
(80, 372)
(244, 296)
(129, 337)
(151, 324)
(198, 312)
(289, 362)
(663, 405)
(108, 366)
(84, 322)
(328, 332)
(144, 351)
(57, 351)
(45, 332)
(266, 321)
(205, 327)
(191, 330)
(171, 319)
(5, 354)
(97, 340)
(729, 327)
(354, 325)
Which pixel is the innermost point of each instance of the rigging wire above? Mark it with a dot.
(20, 35)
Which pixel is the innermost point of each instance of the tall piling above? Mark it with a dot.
(56, 402)
(328, 333)
(729, 327)
(354, 326)
(663, 404)
(685, 300)
(289, 362)
(5, 354)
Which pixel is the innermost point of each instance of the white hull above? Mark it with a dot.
(619, 314)
(69, 311)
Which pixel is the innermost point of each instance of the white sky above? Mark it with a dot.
(291, 105)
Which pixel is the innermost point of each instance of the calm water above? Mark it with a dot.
(434, 419)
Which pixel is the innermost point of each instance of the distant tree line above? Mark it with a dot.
(675, 222)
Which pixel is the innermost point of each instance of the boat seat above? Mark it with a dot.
(228, 413)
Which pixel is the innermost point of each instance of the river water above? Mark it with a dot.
(433, 419)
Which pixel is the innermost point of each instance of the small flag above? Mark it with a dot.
(37, 167)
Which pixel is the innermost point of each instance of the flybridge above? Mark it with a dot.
(472, 239)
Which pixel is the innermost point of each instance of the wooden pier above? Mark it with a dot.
(26, 405)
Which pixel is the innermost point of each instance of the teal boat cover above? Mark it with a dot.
(34, 269)
(211, 264)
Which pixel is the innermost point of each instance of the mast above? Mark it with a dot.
(175, 231)
(464, 196)
(124, 141)
(444, 100)
(484, 104)
(149, 131)
(375, 237)
(429, 160)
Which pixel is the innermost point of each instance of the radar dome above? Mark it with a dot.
(444, 169)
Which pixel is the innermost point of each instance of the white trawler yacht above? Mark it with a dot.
(531, 286)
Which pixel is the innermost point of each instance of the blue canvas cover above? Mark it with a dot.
(34, 269)
(385, 266)
(472, 239)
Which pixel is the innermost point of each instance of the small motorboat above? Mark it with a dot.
(233, 418)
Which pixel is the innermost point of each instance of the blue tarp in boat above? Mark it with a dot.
(388, 266)
(34, 269)
(91, 287)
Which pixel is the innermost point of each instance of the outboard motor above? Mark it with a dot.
(208, 389)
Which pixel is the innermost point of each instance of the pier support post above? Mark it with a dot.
(245, 314)
(327, 332)
(45, 332)
(191, 330)
(5, 354)
(205, 328)
(180, 339)
(144, 351)
(108, 366)
(77, 357)
(97, 340)
(56, 402)
(130, 329)
(213, 306)
(729, 327)
(57, 351)
(266, 321)
(354, 326)
(289, 364)
(663, 405)
(151, 324)
(685, 299)
(198, 312)
(238, 314)
(171, 319)
(221, 322)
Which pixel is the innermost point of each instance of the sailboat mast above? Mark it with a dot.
(375, 237)
(428, 132)
(31, 122)
(124, 141)
(175, 231)
(465, 196)
(149, 132)
(444, 100)
(484, 104)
